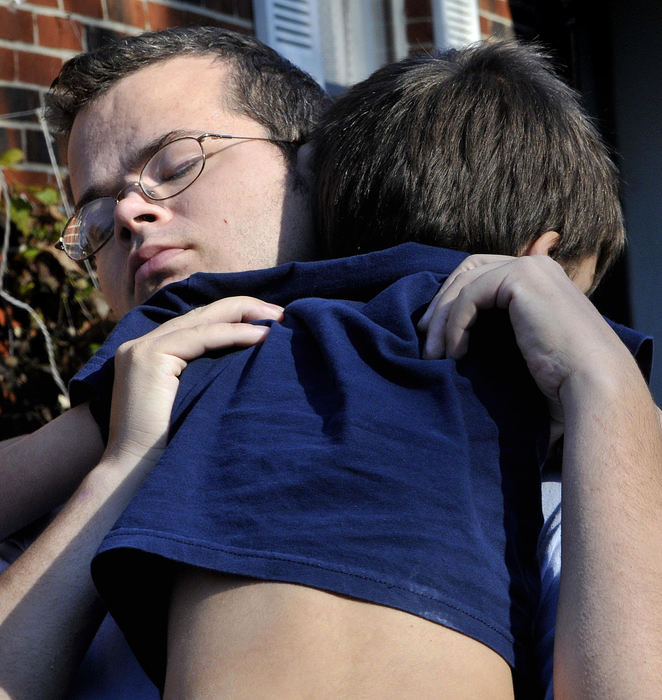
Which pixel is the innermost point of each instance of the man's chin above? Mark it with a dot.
(144, 292)
(140, 295)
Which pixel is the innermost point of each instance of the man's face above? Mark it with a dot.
(240, 214)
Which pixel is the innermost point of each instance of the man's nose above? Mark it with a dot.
(135, 213)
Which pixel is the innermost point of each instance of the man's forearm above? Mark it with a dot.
(49, 610)
(610, 608)
(41, 470)
(48, 605)
(608, 640)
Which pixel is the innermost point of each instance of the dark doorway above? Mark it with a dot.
(577, 35)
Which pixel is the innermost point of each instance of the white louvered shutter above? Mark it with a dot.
(291, 27)
(354, 40)
(456, 22)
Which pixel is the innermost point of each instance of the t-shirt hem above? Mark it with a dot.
(334, 578)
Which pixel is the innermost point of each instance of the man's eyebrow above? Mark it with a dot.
(134, 161)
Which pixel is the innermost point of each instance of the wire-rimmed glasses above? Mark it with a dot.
(171, 170)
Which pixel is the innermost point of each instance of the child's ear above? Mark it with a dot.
(543, 244)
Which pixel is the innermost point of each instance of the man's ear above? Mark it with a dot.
(543, 244)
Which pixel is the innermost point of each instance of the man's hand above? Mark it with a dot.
(147, 369)
(559, 332)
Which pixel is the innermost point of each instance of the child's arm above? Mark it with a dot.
(49, 610)
(608, 641)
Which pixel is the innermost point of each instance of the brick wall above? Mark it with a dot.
(36, 37)
(495, 19)
(420, 31)
(494, 15)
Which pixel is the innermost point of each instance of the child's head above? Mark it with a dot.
(482, 149)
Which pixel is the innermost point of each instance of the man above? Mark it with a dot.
(551, 240)
(232, 85)
(441, 135)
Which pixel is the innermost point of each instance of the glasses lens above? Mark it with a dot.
(89, 229)
(172, 169)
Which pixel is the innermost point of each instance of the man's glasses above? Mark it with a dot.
(167, 173)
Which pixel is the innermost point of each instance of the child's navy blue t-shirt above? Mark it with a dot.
(333, 456)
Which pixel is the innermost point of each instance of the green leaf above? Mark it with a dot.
(30, 254)
(11, 157)
(19, 203)
(21, 214)
(47, 196)
(23, 220)
(25, 289)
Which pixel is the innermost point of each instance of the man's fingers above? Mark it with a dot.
(489, 288)
(244, 308)
(165, 351)
(473, 262)
(436, 318)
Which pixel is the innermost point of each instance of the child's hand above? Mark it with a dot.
(147, 369)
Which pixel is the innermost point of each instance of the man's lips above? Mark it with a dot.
(151, 262)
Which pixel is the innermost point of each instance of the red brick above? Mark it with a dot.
(420, 32)
(37, 69)
(60, 32)
(47, 3)
(418, 8)
(27, 177)
(503, 9)
(127, 12)
(496, 7)
(89, 8)
(161, 17)
(7, 64)
(16, 25)
(10, 138)
(420, 48)
(485, 26)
